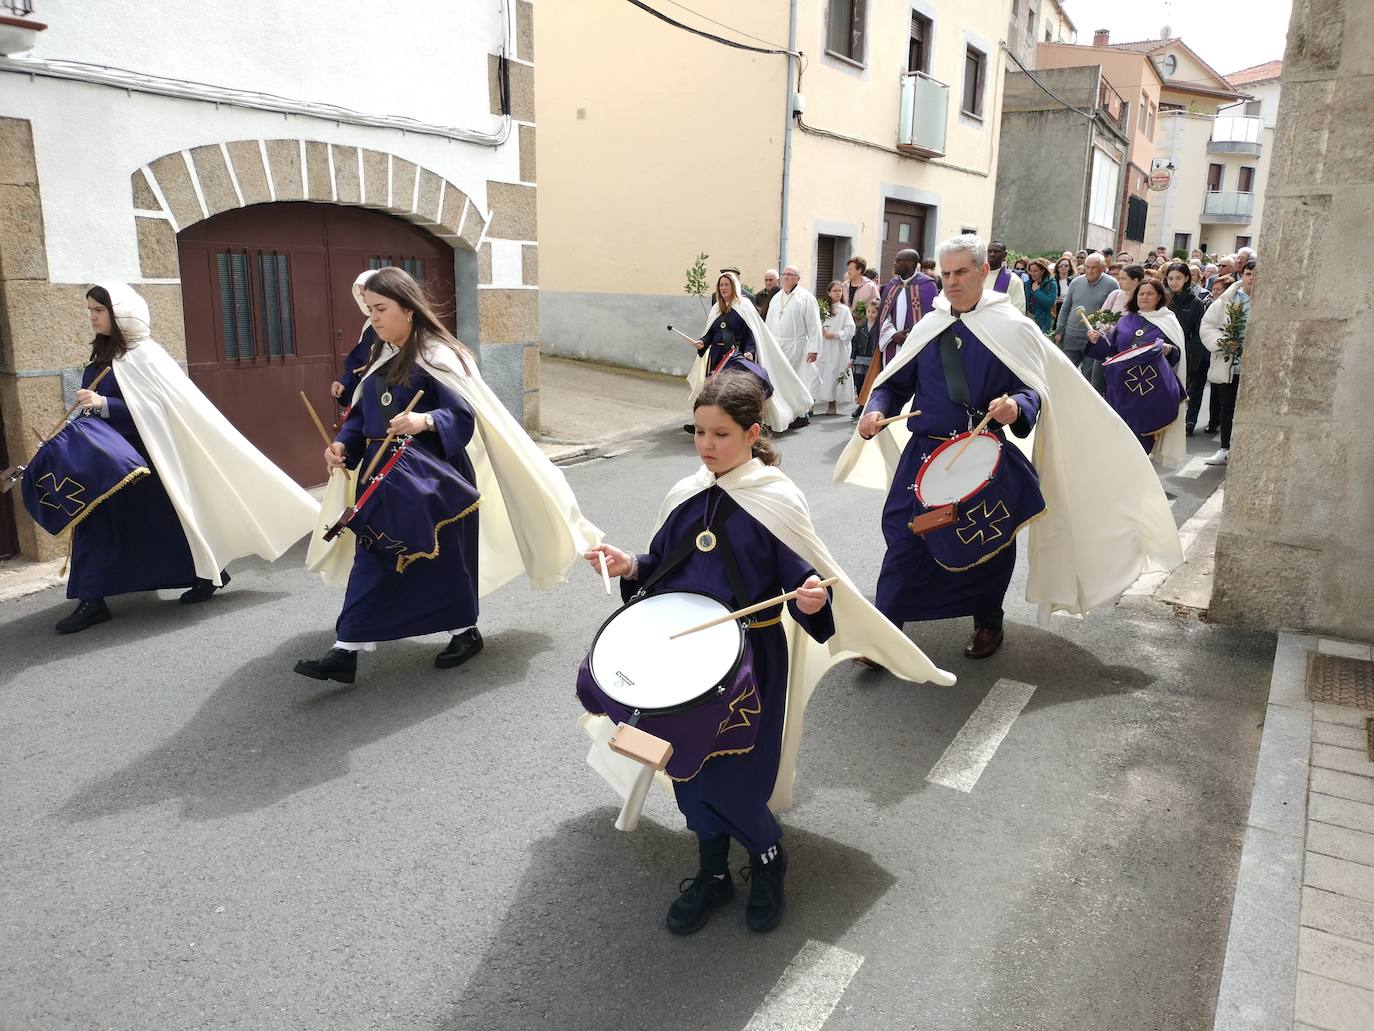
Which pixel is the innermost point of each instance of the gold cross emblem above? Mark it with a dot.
(64, 496)
(1141, 379)
(987, 527)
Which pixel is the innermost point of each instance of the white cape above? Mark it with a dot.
(529, 522)
(769, 496)
(791, 399)
(231, 500)
(1106, 518)
(1172, 449)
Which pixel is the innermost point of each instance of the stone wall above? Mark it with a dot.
(1296, 547)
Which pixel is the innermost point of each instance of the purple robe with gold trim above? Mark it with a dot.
(730, 794)
(912, 585)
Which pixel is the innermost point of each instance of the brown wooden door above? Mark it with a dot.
(904, 225)
(269, 312)
(825, 263)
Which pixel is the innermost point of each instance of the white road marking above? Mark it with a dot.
(1193, 468)
(976, 743)
(808, 990)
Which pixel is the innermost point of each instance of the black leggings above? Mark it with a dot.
(1226, 392)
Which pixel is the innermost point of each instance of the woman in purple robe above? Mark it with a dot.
(1136, 329)
(437, 593)
(134, 540)
(728, 796)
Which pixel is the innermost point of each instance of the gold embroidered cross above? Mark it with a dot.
(986, 530)
(64, 496)
(1141, 379)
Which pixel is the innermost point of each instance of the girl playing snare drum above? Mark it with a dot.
(728, 796)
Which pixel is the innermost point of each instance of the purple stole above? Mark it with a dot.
(1003, 280)
(913, 312)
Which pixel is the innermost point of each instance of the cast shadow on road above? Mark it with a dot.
(583, 944)
(32, 641)
(885, 734)
(268, 733)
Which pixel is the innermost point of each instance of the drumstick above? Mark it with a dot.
(389, 438)
(750, 610)
(605, 574)
(75, 405)
(1083, 314)
(896, 418)
(976, 430)
(328, 442)
(314, 417)
(682, 334)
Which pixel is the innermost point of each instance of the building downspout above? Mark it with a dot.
(787, 133)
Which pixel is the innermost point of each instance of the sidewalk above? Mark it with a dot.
(1300, 953)
(585, 406)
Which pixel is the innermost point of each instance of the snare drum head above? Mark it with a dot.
(937, 485)
(1134, 352)
(635, 664)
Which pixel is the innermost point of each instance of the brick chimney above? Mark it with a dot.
(1101, 37)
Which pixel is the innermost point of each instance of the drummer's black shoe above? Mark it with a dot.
(463, 647)
(338, 664)
(984, 642)
(86, 615)
(764, 910)
(203, 589)
(800, 421)
(710, 889)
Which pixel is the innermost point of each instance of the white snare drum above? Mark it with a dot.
(635, 663)
(1134, 352)
(938, 485)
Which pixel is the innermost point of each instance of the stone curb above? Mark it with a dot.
(1260, 974)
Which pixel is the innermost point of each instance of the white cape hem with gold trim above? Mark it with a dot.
(1106, 520)
(232, 501)
(529, 522)
(1172, 449)
(791, 397)
(770, 497)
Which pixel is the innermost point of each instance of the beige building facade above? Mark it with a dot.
(894, 144)
(1215, 138)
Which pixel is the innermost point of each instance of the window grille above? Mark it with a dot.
(235, 304)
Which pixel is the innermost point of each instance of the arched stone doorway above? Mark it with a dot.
(269, 312)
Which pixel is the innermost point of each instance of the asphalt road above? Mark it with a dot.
(191, 836)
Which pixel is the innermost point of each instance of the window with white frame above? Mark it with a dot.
(1106, 175)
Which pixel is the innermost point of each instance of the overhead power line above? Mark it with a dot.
(708, 35)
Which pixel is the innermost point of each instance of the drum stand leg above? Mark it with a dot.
(628, 819)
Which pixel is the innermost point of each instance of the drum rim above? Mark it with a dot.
(1134, 352)
(930, 461)
(692, 703)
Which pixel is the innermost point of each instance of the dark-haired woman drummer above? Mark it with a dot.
(435, 593)
(728, 796)
(134, 541)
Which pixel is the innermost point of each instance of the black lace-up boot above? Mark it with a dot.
(86, 615)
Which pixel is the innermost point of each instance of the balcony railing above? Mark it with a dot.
(18, 31)
(1110, 104)
(1228, 206)
(923, 115)
(18, 8)
(1236, 134)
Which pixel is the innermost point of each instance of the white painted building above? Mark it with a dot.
(215, 154)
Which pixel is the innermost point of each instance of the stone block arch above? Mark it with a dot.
(500, 320)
